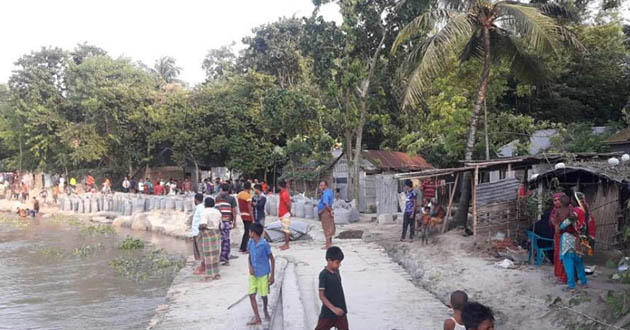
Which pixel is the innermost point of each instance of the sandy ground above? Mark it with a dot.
(527, 297)
(379, 292)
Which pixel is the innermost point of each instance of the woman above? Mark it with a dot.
(210, 239)
(561, 211)
(570, 251)
(585, 223)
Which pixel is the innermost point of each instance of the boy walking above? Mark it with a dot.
(334, 309)
(261, 275)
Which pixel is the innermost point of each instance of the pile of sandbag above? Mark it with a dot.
(345, 212)
(274, 231)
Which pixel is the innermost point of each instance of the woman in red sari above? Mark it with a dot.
(561, 211)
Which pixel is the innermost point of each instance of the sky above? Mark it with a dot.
(140, 29)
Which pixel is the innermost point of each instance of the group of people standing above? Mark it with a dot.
(156, 187)
(214, 218)
(573, 228)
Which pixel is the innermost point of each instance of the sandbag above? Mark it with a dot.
(308, 209)
(297, 208)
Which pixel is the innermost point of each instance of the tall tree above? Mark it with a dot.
(166, 69)
(479, 30)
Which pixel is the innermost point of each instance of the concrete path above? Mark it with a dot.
(379, 293)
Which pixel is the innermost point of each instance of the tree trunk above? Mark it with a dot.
(350, 166)
(464, 199)
(195, 183)
(356, 189)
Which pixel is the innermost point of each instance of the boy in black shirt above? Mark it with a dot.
(334, 309)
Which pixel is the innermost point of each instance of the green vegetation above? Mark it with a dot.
(619, 302)
(156, 264)
(91, 230)
(87, 250)
(302, 85)
(131, 243)
(52, 253)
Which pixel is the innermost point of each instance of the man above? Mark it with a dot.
(284, 212)
(89, 182)
(217, 185)
(126, 184)
(238, 186)
(410, 211)
(326, 217)
(159, 188)
(258, 202)
(194, 233)
(244, 199)
(227, 205)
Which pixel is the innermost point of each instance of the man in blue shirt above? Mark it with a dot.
(326, 215)
(194, 233)
(409, 215)
(261, 274)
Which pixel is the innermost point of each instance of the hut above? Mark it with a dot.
(607, 191)
(620, 141)
(377, 186)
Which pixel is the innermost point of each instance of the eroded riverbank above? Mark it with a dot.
(58, 272)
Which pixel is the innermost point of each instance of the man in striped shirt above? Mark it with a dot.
(226, 204)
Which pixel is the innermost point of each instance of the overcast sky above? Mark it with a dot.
(140, 29)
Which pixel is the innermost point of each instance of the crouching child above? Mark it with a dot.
(262, 267)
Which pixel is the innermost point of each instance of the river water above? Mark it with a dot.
(58, 274)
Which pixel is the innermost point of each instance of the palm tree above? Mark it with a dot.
(479, 30)
(166, 69)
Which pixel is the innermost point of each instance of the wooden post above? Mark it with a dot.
(450, 204)
(474, 195)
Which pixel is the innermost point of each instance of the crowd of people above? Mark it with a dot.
(214, 218)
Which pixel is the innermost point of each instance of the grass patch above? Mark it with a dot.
(92, 230)
(52, 253)
(156, 264)
(131, 243)
(87, 250)
(619, 302)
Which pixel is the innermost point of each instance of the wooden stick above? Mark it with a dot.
(450, 205)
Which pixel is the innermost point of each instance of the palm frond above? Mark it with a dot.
(418, 25)
(523, 65)
(458, 5)
(473, 48)
(556, 11)
(437, 51)
(538, 30)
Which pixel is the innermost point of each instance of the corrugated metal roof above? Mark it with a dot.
(396, 161)
(620, 138)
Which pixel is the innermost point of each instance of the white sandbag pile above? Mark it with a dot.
(275, 234)
(345, 212)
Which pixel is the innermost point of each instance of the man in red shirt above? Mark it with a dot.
(284, 212)
(158, 189)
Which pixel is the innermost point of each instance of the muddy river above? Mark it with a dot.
(60, 273)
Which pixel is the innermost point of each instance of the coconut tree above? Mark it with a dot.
(483, 30)
(166, 69)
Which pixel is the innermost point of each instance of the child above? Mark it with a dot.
(458, 300)
(44, 195)
(477, 317)
(261, 276)
(55, 193)
(35, 206)
(334, 308)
